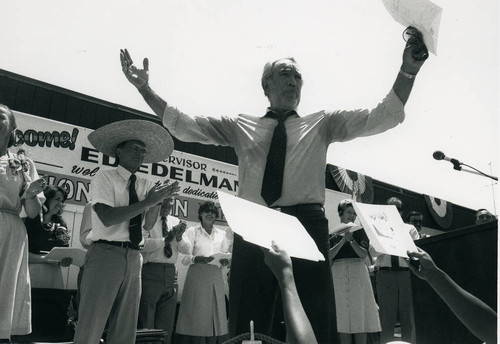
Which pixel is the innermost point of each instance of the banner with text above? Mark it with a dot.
(65, 157)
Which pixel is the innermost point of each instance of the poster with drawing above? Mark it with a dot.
(386, 230)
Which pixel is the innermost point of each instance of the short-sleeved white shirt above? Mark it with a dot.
(110, 187)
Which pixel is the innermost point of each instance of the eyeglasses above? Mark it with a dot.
(139, 150)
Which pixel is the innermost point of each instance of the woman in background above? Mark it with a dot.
(202, 314)
(46, 231)
(357, 312)
(20, 187)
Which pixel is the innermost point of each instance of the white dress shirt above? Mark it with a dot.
(110, 187)
(154, 242)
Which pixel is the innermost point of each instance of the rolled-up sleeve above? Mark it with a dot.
(347, 125)
(204, 130)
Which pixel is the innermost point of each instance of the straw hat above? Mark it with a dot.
(156, 138)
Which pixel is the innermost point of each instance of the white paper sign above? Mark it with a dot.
(58, 253)
(386, 230)
(218, 257)
(421, 14)
(261, 225)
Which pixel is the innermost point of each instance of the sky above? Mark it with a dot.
(206, 58)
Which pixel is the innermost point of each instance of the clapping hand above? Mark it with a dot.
(348, 236)
(161, 191)
(137, 77)
(179, 229)
(35, 187)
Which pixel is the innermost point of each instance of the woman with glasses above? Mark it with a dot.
(202, 313)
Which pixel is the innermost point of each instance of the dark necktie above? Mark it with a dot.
(395, 263)
(166, 234)
(272, 182)
(135, 231)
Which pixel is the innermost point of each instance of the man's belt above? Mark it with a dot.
(124, 244)
(299, 208)
(159, 264)
(388, 268)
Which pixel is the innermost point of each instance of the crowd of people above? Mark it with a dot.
(129, 278)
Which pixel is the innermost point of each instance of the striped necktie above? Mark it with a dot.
(166, 234)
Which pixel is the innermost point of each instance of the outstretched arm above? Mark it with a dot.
(140, 79)
(298, 327)
(477, 316)
(409, 69)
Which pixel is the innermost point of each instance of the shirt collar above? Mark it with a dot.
(273, 114)
(123, 172)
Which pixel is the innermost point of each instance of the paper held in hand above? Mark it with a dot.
(261, 225)
(421, 14)
(386, 230)
(218, 257)
(58, 253)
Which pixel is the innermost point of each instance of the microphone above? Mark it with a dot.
(438, 155)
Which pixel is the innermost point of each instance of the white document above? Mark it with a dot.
(386, 230)
(345, 227)
(58, 253)
(261, 225)
(421, 14)
(218, 257)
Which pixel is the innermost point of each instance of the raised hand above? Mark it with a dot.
(426, 265)
(278, 261)
(414, 45)
(137, 77)
(35, 187)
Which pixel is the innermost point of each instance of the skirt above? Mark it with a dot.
(357, 311)
(15, 296)
(203, 306)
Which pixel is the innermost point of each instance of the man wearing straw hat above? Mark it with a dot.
(121, 203)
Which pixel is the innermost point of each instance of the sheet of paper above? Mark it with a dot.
(261, 225)
(58, 253)
(386, 230)
(218, 257)
(344, 227)
(421, 14)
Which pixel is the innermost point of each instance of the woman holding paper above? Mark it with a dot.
(357, 312)
(46, 231)
(202, 313)
(20, 188)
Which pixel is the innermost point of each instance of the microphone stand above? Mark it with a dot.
(457, 165)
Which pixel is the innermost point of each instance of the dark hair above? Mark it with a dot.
(414, 213)
(343, 205)
(269, 69)
(50, 192)
(12, 136)
(208, 207)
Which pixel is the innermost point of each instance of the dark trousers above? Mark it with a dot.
(254, 291)
(159, 298)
